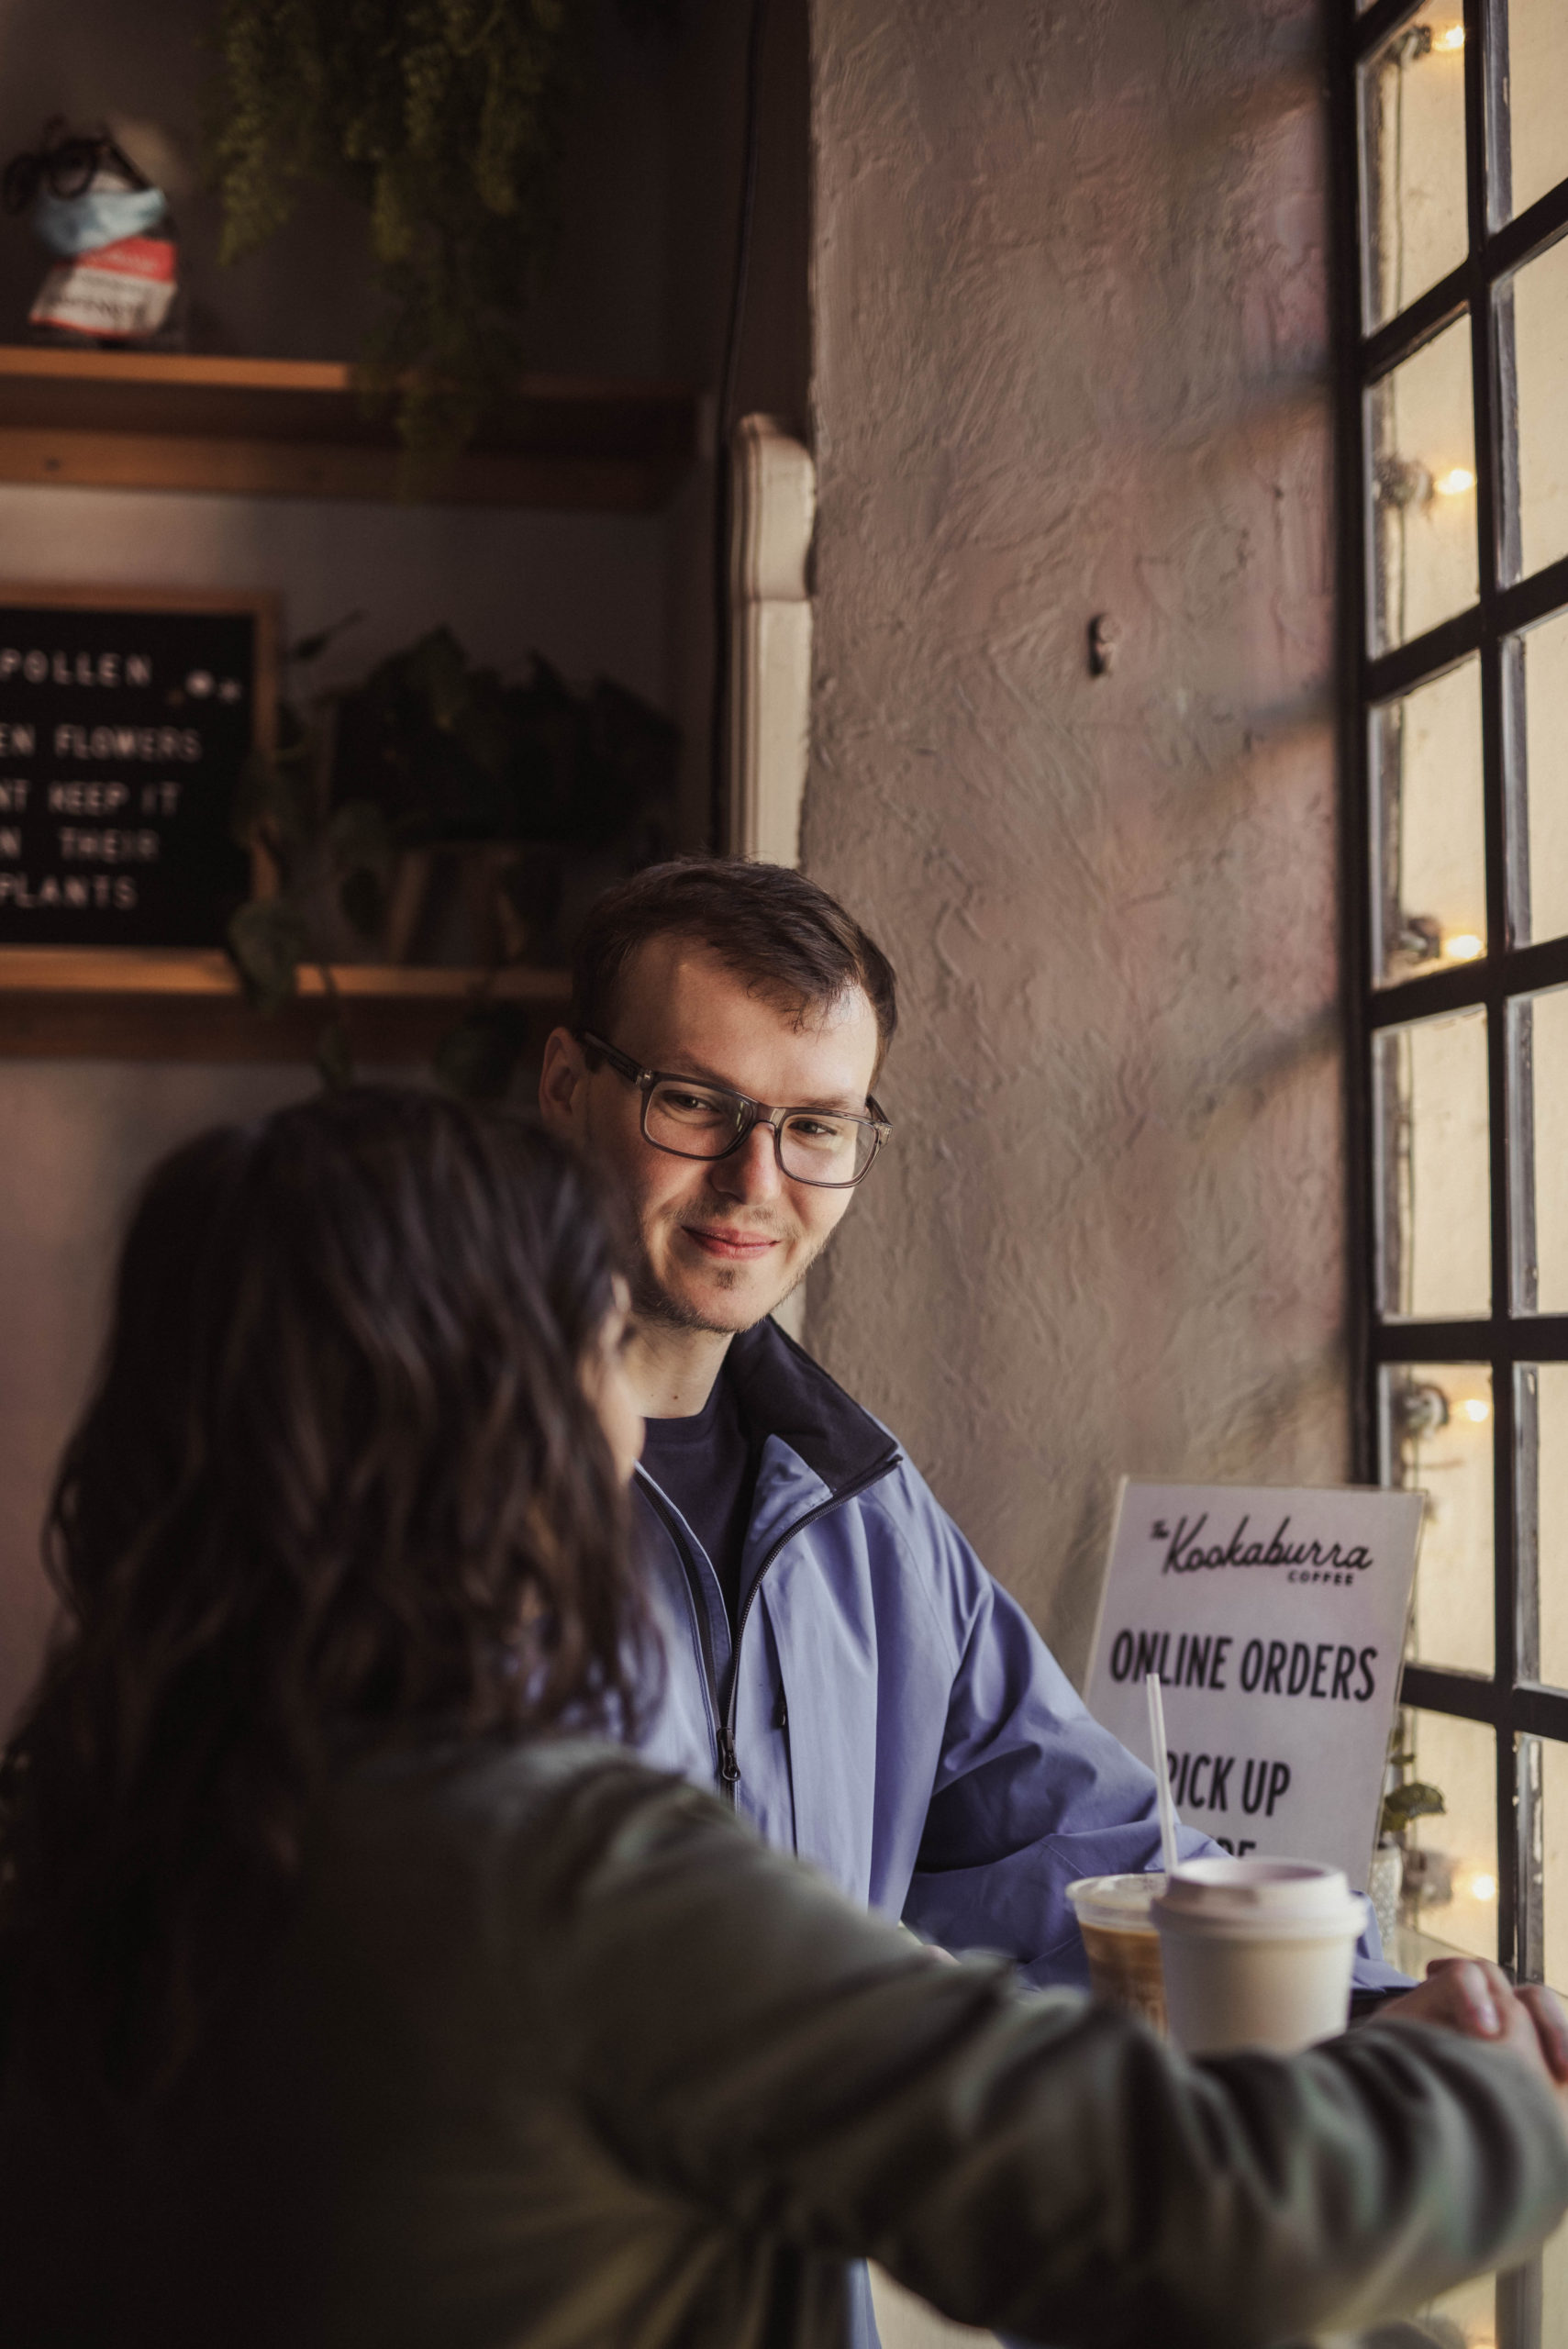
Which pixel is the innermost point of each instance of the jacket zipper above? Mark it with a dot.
(729, 1768)
(710, 1694)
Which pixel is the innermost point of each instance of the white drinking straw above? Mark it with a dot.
(1161, 1769)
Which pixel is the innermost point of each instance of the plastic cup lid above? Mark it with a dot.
(1117, 1902)
(1283, 1897)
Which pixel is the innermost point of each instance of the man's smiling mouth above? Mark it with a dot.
(729, 1244)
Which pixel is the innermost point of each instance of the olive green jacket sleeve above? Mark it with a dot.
(745, 2040)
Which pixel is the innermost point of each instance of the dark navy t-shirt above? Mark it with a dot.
(707, 1465)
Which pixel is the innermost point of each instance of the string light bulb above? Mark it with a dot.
(1476, 1410)
(1455, 482)
(1484, 1887)
(1452, 39)
(1463, 946)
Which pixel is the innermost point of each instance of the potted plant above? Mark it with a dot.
(434, 814)
(1397, 1864)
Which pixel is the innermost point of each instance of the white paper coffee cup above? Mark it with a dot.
(1257, 1953)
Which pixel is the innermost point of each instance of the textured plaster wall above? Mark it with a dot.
(1069, 320)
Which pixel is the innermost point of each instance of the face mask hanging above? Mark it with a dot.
(117, 274)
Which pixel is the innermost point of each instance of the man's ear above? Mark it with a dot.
(561, 1084)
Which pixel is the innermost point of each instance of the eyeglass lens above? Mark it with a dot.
(814, 1146)
(66, 168)
(69, 168)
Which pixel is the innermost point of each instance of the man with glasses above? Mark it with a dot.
(838, 1660)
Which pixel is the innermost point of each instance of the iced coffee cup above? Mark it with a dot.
(1113, 1917)
(1256, 1954)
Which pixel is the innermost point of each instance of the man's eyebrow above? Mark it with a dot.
(700, 1073)
(843, 1107)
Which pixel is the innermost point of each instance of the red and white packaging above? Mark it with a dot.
(119, 293)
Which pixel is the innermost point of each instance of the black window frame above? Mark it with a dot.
(1513, 1701)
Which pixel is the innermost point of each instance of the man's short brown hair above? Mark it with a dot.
(774, 929)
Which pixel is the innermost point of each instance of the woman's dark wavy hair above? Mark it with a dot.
(340, 1478)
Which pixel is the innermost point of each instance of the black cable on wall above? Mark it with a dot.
(723, 500)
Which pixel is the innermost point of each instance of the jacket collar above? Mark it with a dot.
(783, 1392)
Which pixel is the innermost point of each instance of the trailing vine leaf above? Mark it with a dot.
(443, 117)
(305, 649)
(267, 943)
(274, 800)
(1414, 1800)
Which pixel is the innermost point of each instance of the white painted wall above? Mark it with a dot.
(587, 590)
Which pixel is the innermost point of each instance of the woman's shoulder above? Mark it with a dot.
(483, 1878)
(536, 1810)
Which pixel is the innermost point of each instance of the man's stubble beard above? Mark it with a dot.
(651, 1302)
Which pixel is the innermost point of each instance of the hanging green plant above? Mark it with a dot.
(444, 118)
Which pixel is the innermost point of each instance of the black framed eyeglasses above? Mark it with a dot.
(831, 1149)
(66, 164)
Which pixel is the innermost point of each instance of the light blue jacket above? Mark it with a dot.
(886, 1710)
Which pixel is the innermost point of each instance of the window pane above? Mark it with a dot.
(1542, 1414)
(1538, 97)
(1423, 447)
(1434, 1237)
(1466, 2318)
(1412, 134)
(1539, 1029)
(1431, 844)
(1438, 1440)
(1554, 1858)
(1554, 2288)
(1543, 654)
(1540, 297)
(1450, 1869)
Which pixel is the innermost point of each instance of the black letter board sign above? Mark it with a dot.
(126, 719)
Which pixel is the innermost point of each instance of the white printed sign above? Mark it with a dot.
(119, 293)
(1275, 1618)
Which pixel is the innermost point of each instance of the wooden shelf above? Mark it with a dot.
(293, 428)
(123, 1003)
